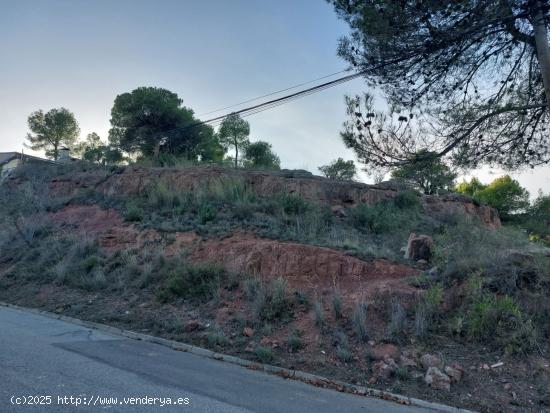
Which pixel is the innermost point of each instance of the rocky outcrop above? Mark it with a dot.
(137, 180)
(419, 247)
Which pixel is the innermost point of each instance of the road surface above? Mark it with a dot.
(46, 361)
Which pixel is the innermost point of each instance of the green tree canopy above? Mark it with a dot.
(150, 120)
(93, 149)
(52, 130)
(479, 71)
(537, 219)
(234, 133)
(471, 188)
(260, 155)
(504, 194)
(339, 169)
(427, 173)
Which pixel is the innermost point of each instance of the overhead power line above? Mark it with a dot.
(252, 110)
(274, 93)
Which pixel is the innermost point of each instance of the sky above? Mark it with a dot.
(213, 53)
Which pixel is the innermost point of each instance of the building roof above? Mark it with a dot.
(8, 156)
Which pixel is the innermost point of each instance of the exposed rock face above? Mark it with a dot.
(306, 267)
(137, 180)
(419, 247)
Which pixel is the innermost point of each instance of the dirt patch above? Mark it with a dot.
(106, 226)
(307, 267)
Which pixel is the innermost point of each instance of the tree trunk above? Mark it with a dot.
(543, 49)
(236, 155)
(55, 152)
(156, 150)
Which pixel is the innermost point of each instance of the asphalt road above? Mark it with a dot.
(41, 357)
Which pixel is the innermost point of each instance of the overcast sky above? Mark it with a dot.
(212, 53)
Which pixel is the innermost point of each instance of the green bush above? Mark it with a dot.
(383, 217)
(343, 352)
(406, 200)
(207, 213)
(359, 321)
(396, 327)
(294, 341)
(490, 314)
(251, 287)
(81, 267)
(133, 212)
(319, 313)
(199, 282)
(264, 354)
(294, 204)
(337, 304)
(216, 337)
(272, 301)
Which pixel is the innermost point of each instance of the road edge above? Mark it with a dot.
(299, 375)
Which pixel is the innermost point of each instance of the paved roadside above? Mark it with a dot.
(41, 356)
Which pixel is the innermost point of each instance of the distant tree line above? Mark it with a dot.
(151, 123)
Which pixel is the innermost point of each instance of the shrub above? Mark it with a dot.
(195, 281)
(216, 337)
(294, 204)
(264, 354)
(319, 313)
(470, 247)
(488, 315)
(457, 325)
(359, 320)
(251, 288)
(272, 302)
(421, 322)
(81, 267)
(396, 326)
(383, 217)
(340, 340)
(406, 200)
(337, 304)
(302, 298)
(206, 213)
(133, 212)
(294, 341)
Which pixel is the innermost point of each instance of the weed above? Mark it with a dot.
(396, 326)
(294, 341)
(402, 373)
(294, 204)
(264, 354)
(272, 302)
(340, 340)
(337, 304)
(251, 287)
(302, 298)
(216, 337)
(359, 321)
(195, 281)
(206, 213)
(406, 200)
(133, 212)
(421, 322)
(319, 313)
(457, 325)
